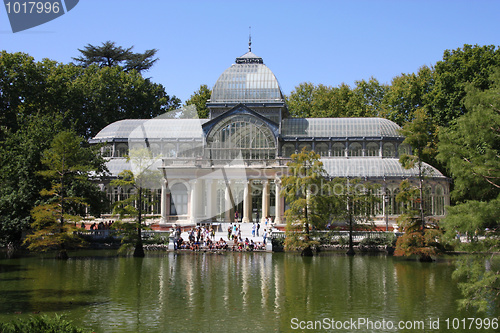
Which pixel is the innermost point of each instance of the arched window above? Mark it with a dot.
(404, 149)
(338, 149)
(372, 149)
(169, 150)
(287, 150)
(427, 192)
(355, 149)
(185, 150)
(121, 150)
(155, 149)
(321, 149)
(107, 151)
(439, 200)
(178, 199)
(242, 134)
(388, 150)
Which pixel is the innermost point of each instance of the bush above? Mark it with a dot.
(41, 324)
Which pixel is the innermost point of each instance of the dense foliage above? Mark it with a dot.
(37, 324)
(68, 164)
(38, 99)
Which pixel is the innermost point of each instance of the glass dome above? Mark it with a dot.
(247, 81)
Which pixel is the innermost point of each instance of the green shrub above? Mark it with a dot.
(38, 324)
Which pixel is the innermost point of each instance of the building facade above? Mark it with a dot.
(229, 166)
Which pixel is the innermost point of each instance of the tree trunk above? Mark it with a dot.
(350, 252)
(62, 255)
(139, 249)
(307, 252)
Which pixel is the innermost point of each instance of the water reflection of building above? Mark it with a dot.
(233, 161)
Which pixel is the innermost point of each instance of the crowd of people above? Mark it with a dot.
(202, 237)
(106, 225)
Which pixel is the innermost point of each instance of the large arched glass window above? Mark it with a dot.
(355, 149)
(242, 134)
(178, 199)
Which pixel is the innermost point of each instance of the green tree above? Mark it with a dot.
(302, 188)
(371, 95)
(352, 201)
(20, 159)
(419, 135)
(199, 98)
(300, 100)
(470, 150)
(406, 94)
(110, 55)
(143, 178)
(67, 162)
(469, 65)
(309, 100)
(20, 84)
(101, 96)
(422, 240)
(87, 99)
(470, 146)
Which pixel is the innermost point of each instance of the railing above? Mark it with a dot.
(105, 233)
(357, 236)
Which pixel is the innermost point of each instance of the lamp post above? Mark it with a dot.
(386, 200)
(386, 206)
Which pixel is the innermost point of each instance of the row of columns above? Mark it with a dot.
(195, 202)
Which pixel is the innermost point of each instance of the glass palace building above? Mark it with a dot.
(231, 164)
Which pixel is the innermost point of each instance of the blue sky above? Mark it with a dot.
(318, 41)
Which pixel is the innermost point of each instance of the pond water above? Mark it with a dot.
(238, 292)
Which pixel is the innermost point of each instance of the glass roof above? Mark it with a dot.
(152, 129)
(373, 167)
(247, 81)
(339, 127)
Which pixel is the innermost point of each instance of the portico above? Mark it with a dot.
(216, 194)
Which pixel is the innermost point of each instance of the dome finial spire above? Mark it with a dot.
(250, 39)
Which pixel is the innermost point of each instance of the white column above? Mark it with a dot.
(247, 203)
(211, 198)
(278, 209)
(228, 206)
(265, 200)
(164, 203)
(193, 203)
